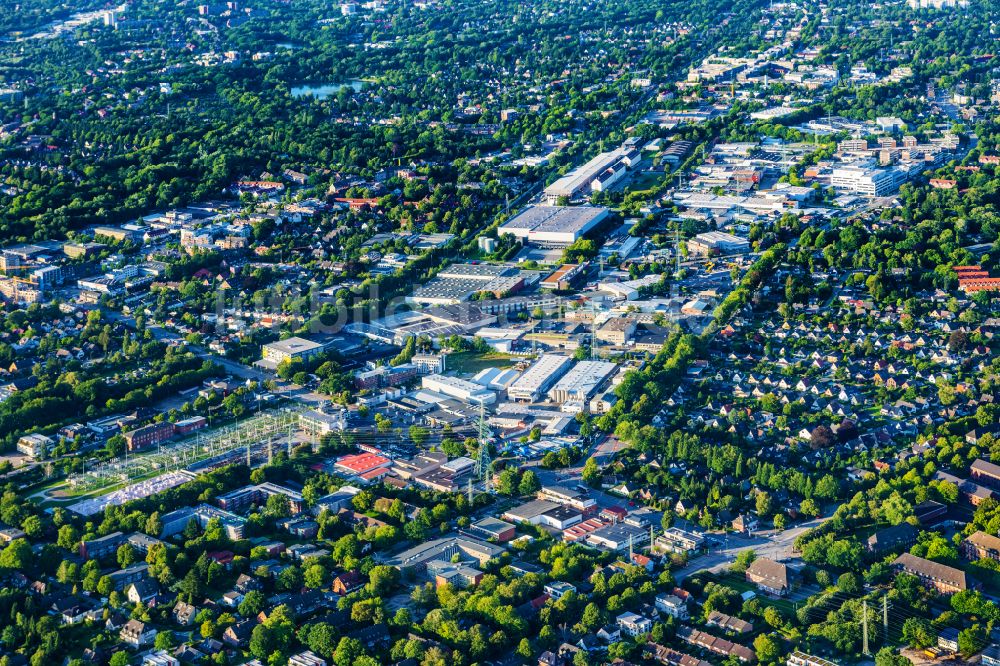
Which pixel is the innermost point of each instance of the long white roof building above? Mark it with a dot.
(539, 377)
(582, 381)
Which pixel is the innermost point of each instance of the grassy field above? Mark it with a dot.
(741, 585)
(644, 181)
(469, 363)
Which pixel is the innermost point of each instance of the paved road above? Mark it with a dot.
(773, 545)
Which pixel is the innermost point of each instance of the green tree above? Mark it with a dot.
(918, 632)
(68, 537)
(253, 603)
(744, 559)
(972, 640)
(848, 582)
(348, 651)
(591, 473)
(808, 507)
(889, 657)
(119, 659)
(381, 580)
(164, 640)
(529, 483)
(314, 576)
(767, 649)
(126, 556)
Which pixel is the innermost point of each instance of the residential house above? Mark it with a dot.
(238, 635)
(184, 613)
(137, 634)
(633, 624)
(745, 523)
(985, 472)
(980, 546)
(143, 592)
(672, 605)
(728, 623)
(671, 657)
(892, 538)
(348, 582)
(558, 589)
(769, 576)
(610, 633)
(715, 644)
(934, 575)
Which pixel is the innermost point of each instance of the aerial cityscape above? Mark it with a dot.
(499, 333)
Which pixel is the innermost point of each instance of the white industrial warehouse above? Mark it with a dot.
(554, 226)
(458, 388)
(582, 381)
(539, 377)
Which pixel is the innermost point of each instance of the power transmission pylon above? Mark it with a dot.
(864, 626)
(593, 331)
(483, 456)
(885, 619)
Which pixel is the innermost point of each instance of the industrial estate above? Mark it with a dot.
(439, 333)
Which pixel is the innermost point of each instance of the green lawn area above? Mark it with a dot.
(469, 363)
(741, 585)
(644, 181)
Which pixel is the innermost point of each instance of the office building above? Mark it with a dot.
(456, 574)
(148, 436)
(492, 528)
(320, 423)
(275, 353)
(991, 656)
(34, 446)
(618, 537)
(677, 540)
(617, 331)
(241, 499)
(445, 549)
(569, 497)
(307, 658)
(868, 181)
(562, 278)
(428, 364)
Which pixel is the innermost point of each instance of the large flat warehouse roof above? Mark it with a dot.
(565, 223)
